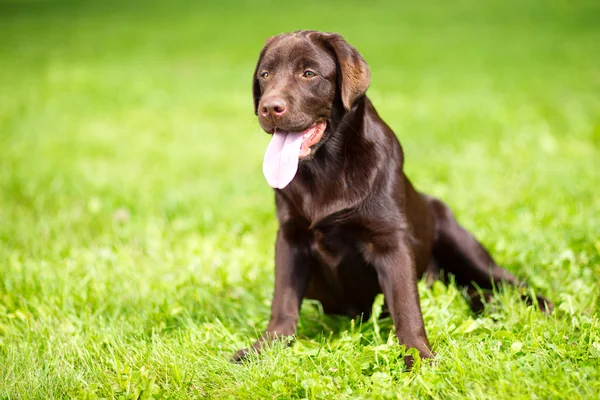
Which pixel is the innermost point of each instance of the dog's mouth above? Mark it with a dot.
(285, 151)
(311, 137)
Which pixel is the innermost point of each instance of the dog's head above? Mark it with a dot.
(301, 81)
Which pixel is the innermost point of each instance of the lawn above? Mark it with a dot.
(136, 228)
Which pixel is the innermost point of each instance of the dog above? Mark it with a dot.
(351, 224)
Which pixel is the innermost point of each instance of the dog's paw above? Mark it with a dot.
(545, 304)
(241, 355)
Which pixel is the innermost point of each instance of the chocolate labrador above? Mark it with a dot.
(351, 225)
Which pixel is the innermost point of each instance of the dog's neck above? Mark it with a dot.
(352, 136)
(357, 156)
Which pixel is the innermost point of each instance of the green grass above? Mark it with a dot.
(136, 228)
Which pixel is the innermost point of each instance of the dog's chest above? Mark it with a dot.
(350, 281)
(336, 246)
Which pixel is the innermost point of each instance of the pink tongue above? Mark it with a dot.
(281, 158)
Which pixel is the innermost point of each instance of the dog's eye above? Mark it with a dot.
(264, 75)
(309, 74)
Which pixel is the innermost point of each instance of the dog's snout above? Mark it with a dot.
(275, 107)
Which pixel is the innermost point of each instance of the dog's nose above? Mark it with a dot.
(275, 107)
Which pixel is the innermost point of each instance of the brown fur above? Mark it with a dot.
(351, 225)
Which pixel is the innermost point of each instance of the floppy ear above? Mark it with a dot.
(354, 75)
(255, 85)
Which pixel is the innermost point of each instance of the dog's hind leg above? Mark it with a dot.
(457, 252)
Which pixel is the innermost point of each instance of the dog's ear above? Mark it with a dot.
(255, 85)
(354, 75)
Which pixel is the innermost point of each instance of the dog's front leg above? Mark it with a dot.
(292, 272)
(395, 266)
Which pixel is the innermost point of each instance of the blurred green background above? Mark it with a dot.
(136, 228)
